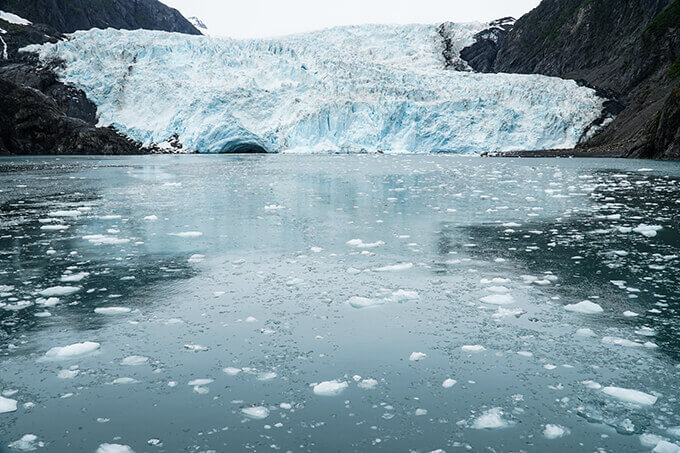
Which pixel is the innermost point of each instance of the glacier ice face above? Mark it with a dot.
(347, 89)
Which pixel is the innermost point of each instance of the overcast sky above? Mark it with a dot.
(265, 18)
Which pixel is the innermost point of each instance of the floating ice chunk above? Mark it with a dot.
(491, 419)
(231, 371)
(43, 314)
(473, 348)
(358, 243)
(251, 319)
(151, 218)
(74, 277)
(54, 227)
(364, 302)
(72, 351)
(134, 360)
(295, 281)
(666, 447)
(403, 294)
(196, 258)
(646, 331)
(368, 384)
(73, 213)
(255, 412)
(124, 381)
(102, 239)
(420, 412)
(506, 312)
(195, 347)
(273, 207)
(187, 234)
(630, 396)
(60, 291)
(417, 356)
(525, 353)
(28, 442)
(200, 382)
(316, 249)
(68, 374)
(585, 332)
(498, 299)
(330, 388)
(592, 384)
(448, 383)
(629, 314)
(620, 342)
(394, 267)
(554, 431)
(648, 230)
(549, 366)
(585, 306)
(266, 376)
(112, 310)
(7, 405)
(114, 448)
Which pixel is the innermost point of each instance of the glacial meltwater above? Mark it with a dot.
(401, 303)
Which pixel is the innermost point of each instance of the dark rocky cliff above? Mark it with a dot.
(38, 113)
(68, 16)
(629, 49)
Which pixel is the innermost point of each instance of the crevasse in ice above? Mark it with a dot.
(346, 89)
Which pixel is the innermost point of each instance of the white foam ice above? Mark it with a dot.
(255, 412)
(28, 442)
(134, 360)
(448, 383)
(114, 448)
(585, 306)
(60, 291)
(7, 405)
(72, 351)
(187, 234)
(364, 302)
(110, 311)
(498, 299)
(630, 396)
(554, 431)
(473, 348)
(329, 388)
(377, 87)
(491, 419)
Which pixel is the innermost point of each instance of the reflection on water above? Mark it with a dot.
(221, 290)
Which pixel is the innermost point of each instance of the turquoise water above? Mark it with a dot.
(257, 265)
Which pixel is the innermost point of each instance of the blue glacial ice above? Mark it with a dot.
(347, 89)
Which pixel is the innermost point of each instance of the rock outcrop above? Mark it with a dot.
(68, 16)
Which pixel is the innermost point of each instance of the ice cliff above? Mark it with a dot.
(347, 89)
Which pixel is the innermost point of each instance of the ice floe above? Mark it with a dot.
(491, 419)
(585, 306)
(330, 388)
(110, 311)
(630, 396)
(72, 351)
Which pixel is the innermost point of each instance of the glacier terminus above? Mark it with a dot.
(369, 88)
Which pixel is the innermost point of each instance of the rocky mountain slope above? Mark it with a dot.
(629, 49)
(68, 16)
(38, 113)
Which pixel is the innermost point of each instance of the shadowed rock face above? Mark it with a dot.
(626, 47)
(481, 55)
(32, 123)
(68, 16)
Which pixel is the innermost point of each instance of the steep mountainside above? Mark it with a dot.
(628, 48)
(70, 15)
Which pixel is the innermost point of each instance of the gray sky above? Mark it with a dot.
(265, 18)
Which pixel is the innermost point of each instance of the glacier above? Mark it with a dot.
(368, 88)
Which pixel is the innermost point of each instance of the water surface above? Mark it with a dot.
(289, 271)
